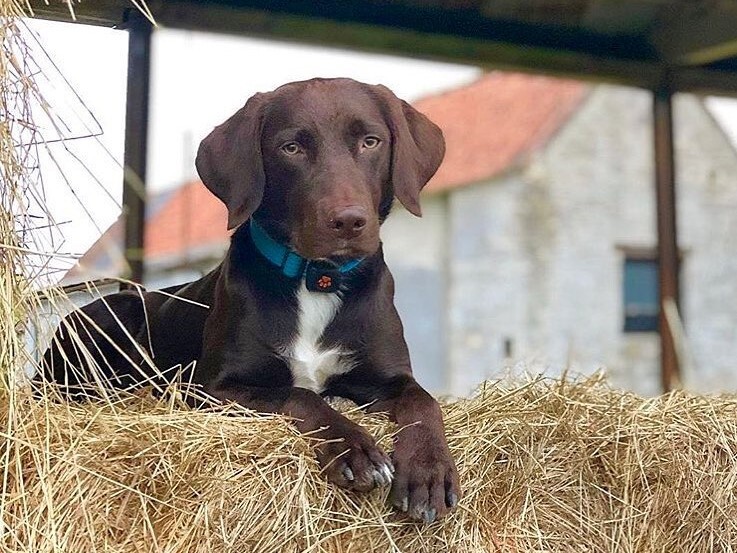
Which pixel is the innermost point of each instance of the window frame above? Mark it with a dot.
(647, 322)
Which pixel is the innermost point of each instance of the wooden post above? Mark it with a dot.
(136, 140)
(667, 231)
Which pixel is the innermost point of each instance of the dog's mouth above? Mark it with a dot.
(339, 255)
(345, 252)
(338, 251)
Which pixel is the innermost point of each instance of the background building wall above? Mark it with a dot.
(416, 253)
(536, 257)
(599, 172)
(707, 199)
(488, 296)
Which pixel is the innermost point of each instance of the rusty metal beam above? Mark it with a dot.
(136, 140)
(667, 232)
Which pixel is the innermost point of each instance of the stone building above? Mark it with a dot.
(536, 248)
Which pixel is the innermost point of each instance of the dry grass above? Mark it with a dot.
(545, 465)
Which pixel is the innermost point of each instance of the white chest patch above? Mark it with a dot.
(311, 365)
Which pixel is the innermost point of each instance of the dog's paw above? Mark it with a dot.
(425, 483)
(351, 459)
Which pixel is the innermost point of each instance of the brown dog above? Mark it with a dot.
(302, 305)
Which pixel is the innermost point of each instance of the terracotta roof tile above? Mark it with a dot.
(192, 217)
(491, 124)
(188, 217)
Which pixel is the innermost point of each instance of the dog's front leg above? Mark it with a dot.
(350, 457)
(426, 480)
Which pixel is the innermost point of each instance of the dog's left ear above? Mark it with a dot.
(418, 148)
(229, 161)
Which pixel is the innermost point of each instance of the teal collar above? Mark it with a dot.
(320, 275)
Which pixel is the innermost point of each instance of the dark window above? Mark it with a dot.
(640, 295)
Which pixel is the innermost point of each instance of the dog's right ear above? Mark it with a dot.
(229, 161)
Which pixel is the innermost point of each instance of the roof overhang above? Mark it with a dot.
(684, 45)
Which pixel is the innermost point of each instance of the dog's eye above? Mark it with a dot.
(291, 148)
(371, 142)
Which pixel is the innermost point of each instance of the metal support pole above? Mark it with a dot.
(136, 140)
(667, 236)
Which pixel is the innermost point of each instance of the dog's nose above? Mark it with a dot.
(348, 222)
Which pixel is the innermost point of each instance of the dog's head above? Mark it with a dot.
(317, 163)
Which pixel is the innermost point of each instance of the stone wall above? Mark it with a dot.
(530, 272)
(415, 251)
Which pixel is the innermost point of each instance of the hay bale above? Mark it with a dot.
(545, 466)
